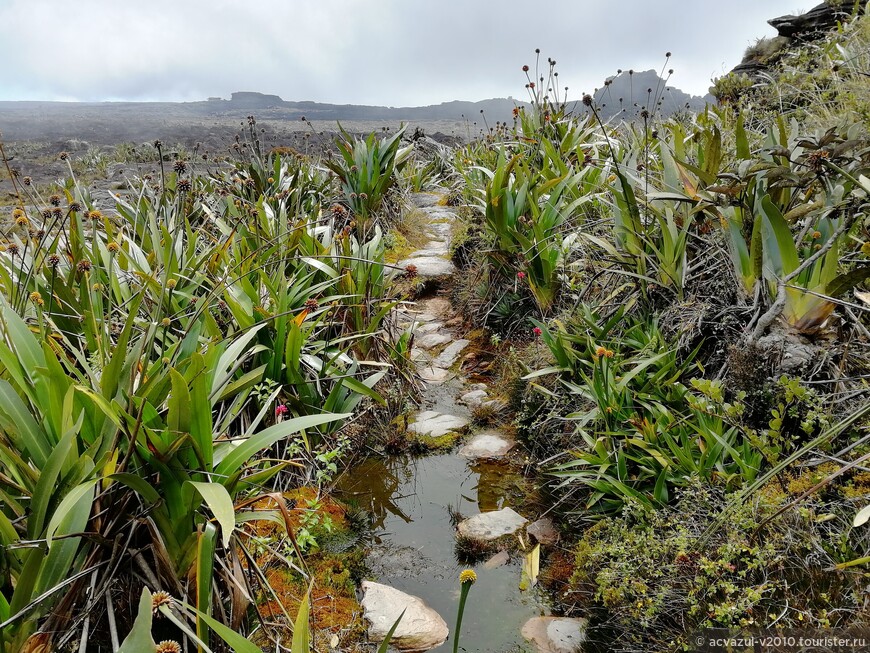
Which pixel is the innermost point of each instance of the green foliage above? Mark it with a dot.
(657, 586)
(525, 215)
(644, 432)
(366, 172)
(161, 366)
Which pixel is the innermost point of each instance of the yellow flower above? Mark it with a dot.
(600, 351)
(36, 298)
(467, 576)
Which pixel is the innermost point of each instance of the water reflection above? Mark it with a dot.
(410, 501)
(374, 486)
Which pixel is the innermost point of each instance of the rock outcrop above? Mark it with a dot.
(814, 23)
(794, 28)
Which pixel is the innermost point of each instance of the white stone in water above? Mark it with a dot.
(433, 375)
(489, 526)
(447, 357)
(429, 267)
(431, 340)
(498, 560)
(473, 398)
(555, 634)
(435, 424)
(488, 445)
(420, 629)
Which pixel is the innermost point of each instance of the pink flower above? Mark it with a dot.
(521, 275)
(281, 410)
(537, 331)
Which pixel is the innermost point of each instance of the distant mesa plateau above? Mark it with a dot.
(113, 122)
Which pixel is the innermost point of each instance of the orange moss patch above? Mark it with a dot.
(557, 571)
(334, 609)
(298, 501)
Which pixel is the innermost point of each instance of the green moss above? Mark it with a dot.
(428, 443)
(396, 247)
(650, 577)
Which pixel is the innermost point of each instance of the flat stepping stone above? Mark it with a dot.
(448, 357)
(430, 267)
(420, 629)
(488, 526)
(435, 424)
(435, 306)
(433, 375)
(425, 200)
(429, 327)
(420, 356)
(410, 319)
(440, 230)
(430, 251)
(473, 398)
(555, 634)
(442, 212)
(488, 445)
(432, 340)
(498, 560)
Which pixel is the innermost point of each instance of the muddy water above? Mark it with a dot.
(412, 546)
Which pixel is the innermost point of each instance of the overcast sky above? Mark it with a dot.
(389, 52)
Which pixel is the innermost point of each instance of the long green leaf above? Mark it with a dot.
(301, 636)
(221, 504)
(139, 639)
(241, 453)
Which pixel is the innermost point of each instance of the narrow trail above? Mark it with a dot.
(414, 500)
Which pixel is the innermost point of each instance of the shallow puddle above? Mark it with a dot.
(412, 545)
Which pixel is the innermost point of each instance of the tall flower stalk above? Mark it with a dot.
(466, 580)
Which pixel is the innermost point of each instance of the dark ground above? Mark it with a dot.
(35, 133)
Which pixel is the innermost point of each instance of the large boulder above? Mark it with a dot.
(420, 629)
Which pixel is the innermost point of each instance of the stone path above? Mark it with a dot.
(448, 407)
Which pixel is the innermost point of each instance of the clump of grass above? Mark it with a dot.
(470, 550)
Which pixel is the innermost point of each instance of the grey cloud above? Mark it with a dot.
(391, 52)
